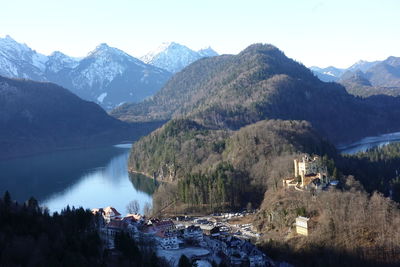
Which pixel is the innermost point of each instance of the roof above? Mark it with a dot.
(163, 234)
(136, 216)
(164, 223)
(117, 224)
(95, 211)
(193, 228)
(110, 209)
(302, 218)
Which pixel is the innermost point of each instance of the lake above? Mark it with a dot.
(91, 178)
(369, 142)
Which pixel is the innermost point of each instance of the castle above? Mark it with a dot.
(308, 173)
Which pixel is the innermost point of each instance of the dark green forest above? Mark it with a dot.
(30, 236)
(377, 169)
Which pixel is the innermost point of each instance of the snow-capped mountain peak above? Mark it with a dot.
(107, 75)
(174, 57)
(18, 60)
(104, 49)
(58, 61)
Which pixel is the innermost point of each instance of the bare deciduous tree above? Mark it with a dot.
(133, 206)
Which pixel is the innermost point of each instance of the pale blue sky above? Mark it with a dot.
(331, 32)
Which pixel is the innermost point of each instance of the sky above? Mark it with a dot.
(320, 33)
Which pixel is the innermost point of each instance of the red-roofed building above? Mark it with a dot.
(166, 225)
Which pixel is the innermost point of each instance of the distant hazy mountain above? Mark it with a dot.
(382, 77)
(329, 74)
(41, 116)
(356, 77)
(385, 73)
(174, 57)
(333, 74)
(107, 76)
(362, 65)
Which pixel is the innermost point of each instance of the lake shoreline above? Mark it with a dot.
(368, 142)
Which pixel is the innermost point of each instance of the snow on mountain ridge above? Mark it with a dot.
(174, 57)
(58, 61)
(19, 61)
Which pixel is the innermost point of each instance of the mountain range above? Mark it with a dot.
(365, 78)
(174, 57)
(231, 91)
(333, 74)
(107, 76)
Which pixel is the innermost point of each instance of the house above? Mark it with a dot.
(111, 213)
(135, 216)
(257, 258)
(216, 245)
(302, 225)
(210, 229)
(164, 225)
(132, 225)
(193, 233)
(167, 240)
(111, 230)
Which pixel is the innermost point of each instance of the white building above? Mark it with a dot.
(167, 240)
(108, 213)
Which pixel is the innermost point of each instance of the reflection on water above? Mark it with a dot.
(369, 142)
(87, 177)
(143, 183)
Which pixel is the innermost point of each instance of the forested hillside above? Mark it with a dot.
(231, 91)
(30, 236)
(205, 166)
(237, 124)
(38, 117)
(348, 227)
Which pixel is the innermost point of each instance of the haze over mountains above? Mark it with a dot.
(107, 75)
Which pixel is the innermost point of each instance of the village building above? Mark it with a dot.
(111, 213)
(193, 233)
(210, 229)
(302, 225)
(167, 240)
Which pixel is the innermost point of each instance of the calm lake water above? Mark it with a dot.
(369, 142)
(90, 178)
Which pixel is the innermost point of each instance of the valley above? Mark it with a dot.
(220, 136)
